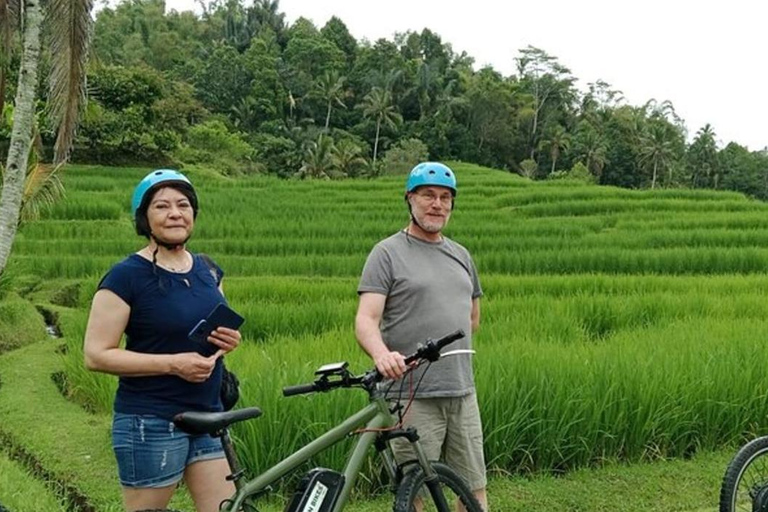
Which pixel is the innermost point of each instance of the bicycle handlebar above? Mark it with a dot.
(430, 351)
(299, 389)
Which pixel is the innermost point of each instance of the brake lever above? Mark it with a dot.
(458, 351)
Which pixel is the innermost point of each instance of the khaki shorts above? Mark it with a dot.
(449, 430)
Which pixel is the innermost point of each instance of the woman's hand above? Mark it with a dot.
(193, 367)
(225, 338)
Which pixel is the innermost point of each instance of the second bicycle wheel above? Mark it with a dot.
(413, 490)
(745, 483)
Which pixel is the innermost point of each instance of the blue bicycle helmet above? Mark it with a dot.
(431, 173)
(151, 182)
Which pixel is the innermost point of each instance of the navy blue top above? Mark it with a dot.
(165, 306)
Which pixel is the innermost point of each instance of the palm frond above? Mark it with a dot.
(42, 189)
(70, 26)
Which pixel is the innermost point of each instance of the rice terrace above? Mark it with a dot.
(619, 230)
(619, 363)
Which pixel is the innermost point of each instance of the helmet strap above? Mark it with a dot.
(413, 219)
(167, 245)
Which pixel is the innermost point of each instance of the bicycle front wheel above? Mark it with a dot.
(413, 490)
(745, 483)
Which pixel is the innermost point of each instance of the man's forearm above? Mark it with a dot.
(369, 337)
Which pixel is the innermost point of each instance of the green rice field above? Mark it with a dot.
(616, 324)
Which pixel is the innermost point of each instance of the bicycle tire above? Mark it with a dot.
(413, 487)
(748, 467)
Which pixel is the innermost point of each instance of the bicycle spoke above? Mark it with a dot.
(753, 481)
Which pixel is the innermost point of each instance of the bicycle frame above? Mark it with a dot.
(375, 415)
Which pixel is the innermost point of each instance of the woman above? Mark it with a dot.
(156, 296)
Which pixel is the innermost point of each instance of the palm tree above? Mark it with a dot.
(427, 80)
(559, 140)
(330, 88)
(591, 148)
(42, 186)
(702, 158)
(377, 104)
(386, 80)
(657, 149)
(70, 29)
(346, 156)
(317, 159)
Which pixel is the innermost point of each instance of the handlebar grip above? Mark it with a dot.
(450, 338)
(299, 389)
(432, 349)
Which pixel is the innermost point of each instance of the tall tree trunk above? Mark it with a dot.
(328, 117)
(533, 133)
(21, 135)
(376, 142)
(655, 168)
(2, 89)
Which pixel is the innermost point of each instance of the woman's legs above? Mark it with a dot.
(208, 484)
(147, 498)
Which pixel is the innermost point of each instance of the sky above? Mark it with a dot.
(707, 57)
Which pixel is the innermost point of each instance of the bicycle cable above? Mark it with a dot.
(401, 412)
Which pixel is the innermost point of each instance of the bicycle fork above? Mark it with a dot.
(431, 480)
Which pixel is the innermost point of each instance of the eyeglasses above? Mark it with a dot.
(429, 197)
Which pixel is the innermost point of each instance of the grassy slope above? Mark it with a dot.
(21, 492)
(70, 444)
(74, 447)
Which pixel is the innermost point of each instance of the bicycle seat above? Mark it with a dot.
(197, 423)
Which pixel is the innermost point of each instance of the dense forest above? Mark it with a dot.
(239, 90)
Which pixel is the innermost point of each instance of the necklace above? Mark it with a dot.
(185, 267)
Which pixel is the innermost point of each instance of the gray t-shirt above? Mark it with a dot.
(429, 289)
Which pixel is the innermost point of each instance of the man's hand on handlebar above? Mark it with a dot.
(390, 364)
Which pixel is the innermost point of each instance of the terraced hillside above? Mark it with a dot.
(617, 324)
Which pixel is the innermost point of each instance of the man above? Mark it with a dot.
(418, 284)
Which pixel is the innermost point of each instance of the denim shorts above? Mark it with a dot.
(152, 452)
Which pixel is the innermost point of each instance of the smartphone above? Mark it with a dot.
(221, 316)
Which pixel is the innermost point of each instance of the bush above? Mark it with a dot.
(20, 323)
(528, 168)
(280, 155)
(404, 156)
(214, 138)
(578, 172)
(213, 144)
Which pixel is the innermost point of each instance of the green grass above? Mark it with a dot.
(20, 323)
(21, 492)
(56, 434)
(604, 311)
(70, 451)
